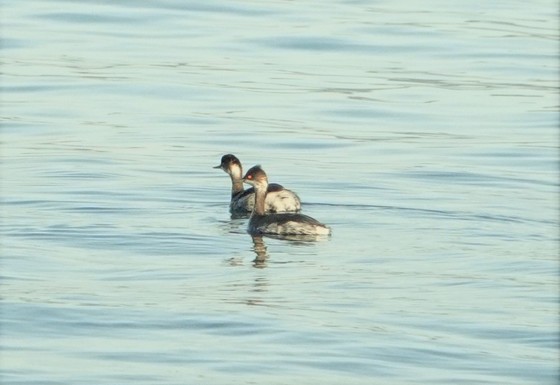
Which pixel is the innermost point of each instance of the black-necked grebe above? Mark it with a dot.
(282, 223)
(277, 200)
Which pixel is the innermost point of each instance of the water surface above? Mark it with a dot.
(424, 135)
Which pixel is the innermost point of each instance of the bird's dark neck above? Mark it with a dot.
(236, 186)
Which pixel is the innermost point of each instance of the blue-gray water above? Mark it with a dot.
(424, 133)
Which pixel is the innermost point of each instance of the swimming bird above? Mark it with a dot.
(277, 200)
(277, 223)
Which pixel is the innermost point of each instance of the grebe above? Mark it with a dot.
(278, 199)
(282, 223)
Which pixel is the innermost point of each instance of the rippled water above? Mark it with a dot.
(425, 134)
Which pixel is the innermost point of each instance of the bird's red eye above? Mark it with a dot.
(249, 176)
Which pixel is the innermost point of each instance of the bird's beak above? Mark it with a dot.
(218, 166)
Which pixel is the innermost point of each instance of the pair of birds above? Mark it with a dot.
(274, 209)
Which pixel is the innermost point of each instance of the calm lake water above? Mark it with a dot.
(424, 133)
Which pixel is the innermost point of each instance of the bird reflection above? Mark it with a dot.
(260, 249)
(240, 215)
